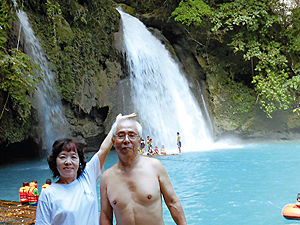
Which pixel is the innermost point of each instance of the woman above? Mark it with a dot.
(73, 198)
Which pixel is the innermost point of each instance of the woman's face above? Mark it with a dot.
(67, 163)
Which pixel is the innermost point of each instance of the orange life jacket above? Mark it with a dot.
(44, 186)
(32, 184)
(23, 192)
(32, 197)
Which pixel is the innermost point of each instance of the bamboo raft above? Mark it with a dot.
(12, 212)
(155, 155)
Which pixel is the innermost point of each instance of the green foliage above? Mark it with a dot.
(267, 34)
(53, 12)
(53, 9)
(83, 41)
(17, 79)
(236, 98)
(191, 12)
(261, 34)
(17, 82)
(150, 6)
(12, 130)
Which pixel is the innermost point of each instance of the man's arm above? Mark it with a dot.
(107, 143)
(170, 197)
(106, 214)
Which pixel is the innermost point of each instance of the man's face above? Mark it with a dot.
(126, 140)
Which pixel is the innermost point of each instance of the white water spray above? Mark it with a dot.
(160, 92)
(46, 99)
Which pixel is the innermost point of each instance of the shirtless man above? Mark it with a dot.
(132, 188)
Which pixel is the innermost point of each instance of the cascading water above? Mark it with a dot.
(160, 92)
(46, 99)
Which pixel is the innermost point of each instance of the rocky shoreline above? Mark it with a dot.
(12, 212)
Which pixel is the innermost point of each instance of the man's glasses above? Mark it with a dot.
(121, 136)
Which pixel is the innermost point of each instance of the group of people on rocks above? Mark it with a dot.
(131, 190)
(152, 152)
(29, 193)
(155, 151)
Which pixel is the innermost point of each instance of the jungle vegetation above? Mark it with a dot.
(17, 79)
(263, 33)
(255, 42)
(77, 36)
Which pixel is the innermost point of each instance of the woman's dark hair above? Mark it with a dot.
(68, 145)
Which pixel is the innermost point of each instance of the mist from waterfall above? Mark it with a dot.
(46, 98)
(161, 93)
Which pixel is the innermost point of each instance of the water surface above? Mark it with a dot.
(247, 185)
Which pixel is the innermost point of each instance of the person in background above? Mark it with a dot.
(133, 188)
(150, 151)
(298, 201)
(179, 142)
(162, 150)
(23, 192)
(142, 146)
(156, 151)
(33, 193)
(148, 142)
(48, 182)
(33, 183)
(73, 198)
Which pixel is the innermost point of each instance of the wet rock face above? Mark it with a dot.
(87, 128)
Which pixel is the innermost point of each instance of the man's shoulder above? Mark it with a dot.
(109, 171)
(150, 160)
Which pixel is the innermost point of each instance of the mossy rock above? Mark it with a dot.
(293, 121)
(63, 30)
(127, 9)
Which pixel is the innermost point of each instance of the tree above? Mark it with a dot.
(267, 33)
(192, 12)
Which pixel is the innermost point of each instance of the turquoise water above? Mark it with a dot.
(250, 185)
(247, 185)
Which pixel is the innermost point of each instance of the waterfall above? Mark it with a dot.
(46, 98)
(161, 93)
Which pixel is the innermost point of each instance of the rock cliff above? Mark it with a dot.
(86, 56)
